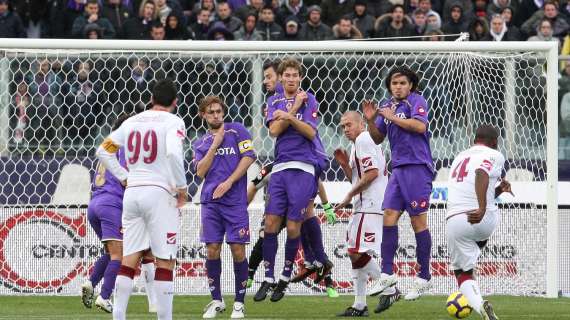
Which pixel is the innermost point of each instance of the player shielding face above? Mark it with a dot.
(403, 118)
(366, 169)
(472, 214)
(222, 157)
(156, 188)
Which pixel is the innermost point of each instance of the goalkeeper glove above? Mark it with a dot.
(329, 213)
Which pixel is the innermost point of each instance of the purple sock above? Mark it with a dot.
(109, 280)
(313, 229)
(389, 247)
(240, 275)
(423, 253)
(214, 270)
(306, 243)
(291, 248)
(99, 269)
(269, 253)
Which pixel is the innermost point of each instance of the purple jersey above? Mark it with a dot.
(236, 145)
(292, 145)
(279, 88)
(106, 183)
(407, 147)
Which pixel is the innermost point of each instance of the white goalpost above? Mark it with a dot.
(58, 99)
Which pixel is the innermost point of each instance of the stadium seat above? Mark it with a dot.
(73, 186)
(442, 174)
(516, 174)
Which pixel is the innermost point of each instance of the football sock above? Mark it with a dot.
(359, 280)
(291, 247)
(255, 257)
(471, 291)
(110, 278)
(164, 290)
(240, 276)
(269, 253)
(389, 247)
(99, 269)
(123, 290)
(214, 271)
(423, 253)
(316, 239)
(148, 268)
(309, 256)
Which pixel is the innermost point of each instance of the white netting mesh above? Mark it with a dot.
(58, 105)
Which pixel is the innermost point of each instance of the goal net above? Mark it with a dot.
(57, 104)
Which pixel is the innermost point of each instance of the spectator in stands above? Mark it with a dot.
(34, 16)
(266, 25)
(333, 10)
(544, 32)
(19, 122)
(10, 23)
(218, 31)
(292, 27)
(201, 27)
(508, 14)
(499, 30)
(116, 13)
(91, 15)
(479, 29)
(550, 12)
(362, 20)
(92, 31)
(162, 10)
(225, 16)
(236, 4)
(498, 6)
(526, 9)
(314, 29)
(291, 8)
(419, 20)
(248, 30)
(457, 22)
(480, 8)
(174, 28)
(395, 25)
(63, 23)
(157, 31)
(134, 89)
(426, 6)
(466, 9)
(345, 30)
(139, 27)
(254, 6)
(205, 4)
(432, 23)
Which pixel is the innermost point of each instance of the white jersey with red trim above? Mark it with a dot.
(366, 155)
(154, 153)
(461, 186)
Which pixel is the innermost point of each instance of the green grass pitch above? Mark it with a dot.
(291, 307)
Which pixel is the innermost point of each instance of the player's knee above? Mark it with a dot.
(293, 229)
(272, 223)
(419, 222)
(238, 252)
(115, 249)
(391, 217)
(214, 250)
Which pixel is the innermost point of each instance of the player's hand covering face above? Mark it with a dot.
(400, 86)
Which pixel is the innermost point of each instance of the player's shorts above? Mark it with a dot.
(409, 188)
(150, 220)
(364, 233)
(219, 220)
(290, 192)
(104, 214)
(462, 238)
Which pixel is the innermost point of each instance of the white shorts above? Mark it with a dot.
(462, 238)
(364, 234)
(150, 220)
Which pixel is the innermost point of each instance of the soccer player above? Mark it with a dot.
(222, 157)
(299, 159)
(104, 214)
(472, 214)
(403, 118)
(365, 167)
(156, 188)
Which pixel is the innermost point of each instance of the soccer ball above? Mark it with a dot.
(457, 306)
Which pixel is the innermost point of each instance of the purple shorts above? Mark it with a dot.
(104, 214)
(219, 219)
(289, 193)
(409, 188)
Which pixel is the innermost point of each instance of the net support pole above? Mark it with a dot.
(552, 266)
(510, 110)
(257, 104)
(4, 107)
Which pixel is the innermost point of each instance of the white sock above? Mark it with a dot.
(164, 291)
(359, 280)
(123, 289)
(372, 268)
(470, 290)
(148, 269)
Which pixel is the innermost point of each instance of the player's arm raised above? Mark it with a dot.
(106, 154)
(481, 185)
(341, 156)
(175, 154)
(370, 112)
(204, 164)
